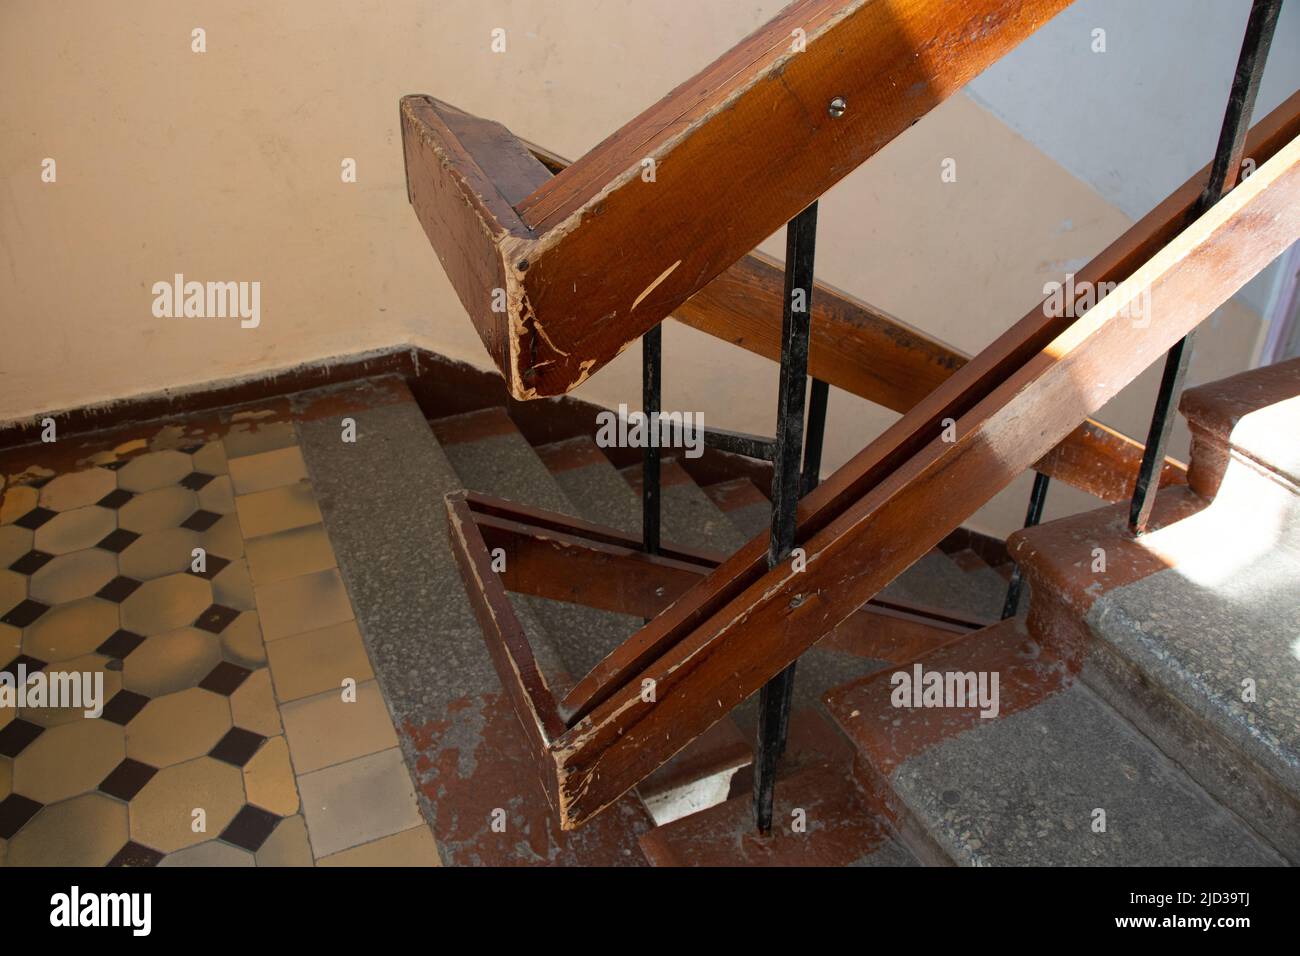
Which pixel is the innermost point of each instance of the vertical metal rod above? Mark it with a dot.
(818, 399)
(651, 357)
(1223, 177)
(775, 697)
(1037, 498)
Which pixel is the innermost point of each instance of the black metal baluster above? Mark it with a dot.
(1037, 498)
(818, 399)
(775, 697)
(651, 357)
(1223, 177)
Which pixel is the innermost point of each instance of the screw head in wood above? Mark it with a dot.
(837, 107)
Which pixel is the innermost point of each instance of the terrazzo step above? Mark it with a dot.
(1247, 423)
(1030, 785)
(493, 457)
(1171, 631)
(743, 503)
(382, 501)
(688, 517)
(820, 817)
(700, 775)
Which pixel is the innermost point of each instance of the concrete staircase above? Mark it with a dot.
(1120, 736)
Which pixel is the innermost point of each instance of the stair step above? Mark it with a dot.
(688, 517)
(1178, 619)
(592, 483)
(1024, 787)
(836, 824)
(743, 503)
(381, 499)
(1252, 419)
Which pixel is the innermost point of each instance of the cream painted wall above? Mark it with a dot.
(225, 166)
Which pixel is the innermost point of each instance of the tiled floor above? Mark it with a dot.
(190, 571)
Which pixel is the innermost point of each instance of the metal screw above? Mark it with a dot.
(837, 107)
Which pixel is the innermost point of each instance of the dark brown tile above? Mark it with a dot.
(225, 678)
(24, 613)
(15, 811)
(195, 480)
(201, 520)
(120, 644)
(16, 735)
(115, 499)
(250, 828)
(123, 707)
(216, 618)
(117, 541)
(35, 518)
(214, 565)
(237, 747)
(133, 854)
(118, 589)
(31, 562)
(127, 779)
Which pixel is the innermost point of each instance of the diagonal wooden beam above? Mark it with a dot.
(594, 257)
(900, 496)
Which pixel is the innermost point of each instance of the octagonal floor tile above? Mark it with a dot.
(156, 469)
(70, 630)
(162, 814)
(269, 779)
(74, 530)
(70, 577)
(13, 589)
(77, 489)
(68, 760)
(14, 543)
(178, 727)
(166, 603)
(158, 553)
(109, 682)
(171, 662)
(155, 510)
(17, 501)
(225, 538)
(212, 853)
(84, 831)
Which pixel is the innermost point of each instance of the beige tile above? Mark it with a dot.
(253, 705)
(358, 801)
(269, 781)
(218, 496)
(305, 603)
(17, 501)
(13, 589)
(11, 641)
(279, 509)
(287, 845)
(326, 729)
(241, 641)
(233, 587)
(70, 577)
(77, 489)
(155, 510)
(6, 776)
(275, 557)
(318, 661)
(156, 469)
(268, 469)
(413, 847)
(92, 664)
(171, 662)
(210, 459)
(250, 438)
(178, 727)
(85, 831)
(212, 853)
(162, 814)
(224, 539)
(166, 603)
(68, 760)
(14, 543)
(158, 553)
(70, 630)
(74, 530)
